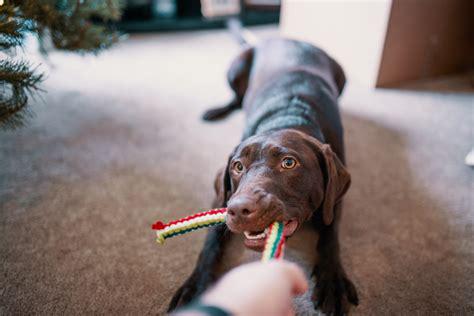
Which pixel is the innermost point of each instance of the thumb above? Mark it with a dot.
(299, 284)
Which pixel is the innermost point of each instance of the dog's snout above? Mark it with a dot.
(259, 194)
(241, 207)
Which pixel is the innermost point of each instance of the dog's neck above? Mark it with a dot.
(284, 111)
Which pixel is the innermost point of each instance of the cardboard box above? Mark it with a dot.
(389, 43)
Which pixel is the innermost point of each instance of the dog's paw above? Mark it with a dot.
(334, 294)
(185, 294)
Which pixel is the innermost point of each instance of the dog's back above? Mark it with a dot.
(293, 84)
(274, 57)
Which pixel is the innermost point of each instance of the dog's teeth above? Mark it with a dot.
(248, 235)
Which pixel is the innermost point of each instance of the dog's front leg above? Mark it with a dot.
(204, 273)
(334, 290)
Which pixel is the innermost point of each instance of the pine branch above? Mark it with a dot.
(75, 25)
(17, 82)
(12, 27)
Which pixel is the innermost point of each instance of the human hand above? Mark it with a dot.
(259, 289)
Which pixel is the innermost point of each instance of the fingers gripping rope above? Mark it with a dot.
(274, 243)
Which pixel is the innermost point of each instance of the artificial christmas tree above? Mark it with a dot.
(73, 25)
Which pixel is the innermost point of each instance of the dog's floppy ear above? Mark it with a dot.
(222, 186)
(337, 181)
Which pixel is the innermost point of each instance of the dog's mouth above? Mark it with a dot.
(255, 240)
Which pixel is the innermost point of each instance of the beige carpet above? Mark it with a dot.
(117, 143)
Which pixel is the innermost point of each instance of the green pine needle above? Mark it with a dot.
(17, 82)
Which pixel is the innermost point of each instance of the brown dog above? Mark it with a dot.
(289, 167)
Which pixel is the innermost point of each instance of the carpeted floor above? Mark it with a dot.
(117, 143)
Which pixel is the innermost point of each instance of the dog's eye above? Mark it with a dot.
(238, 167)
(288, 163)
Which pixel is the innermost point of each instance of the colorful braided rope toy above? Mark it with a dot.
(274, 244)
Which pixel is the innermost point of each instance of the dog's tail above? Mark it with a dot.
(243, 36)
(218, 113)
(238, 72)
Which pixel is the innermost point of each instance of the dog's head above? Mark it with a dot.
(279, 176)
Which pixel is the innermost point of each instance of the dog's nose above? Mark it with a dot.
(241, 207)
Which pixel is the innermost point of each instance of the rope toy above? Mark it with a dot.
(274, 244)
